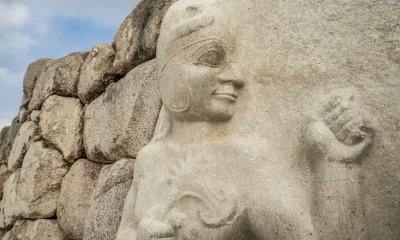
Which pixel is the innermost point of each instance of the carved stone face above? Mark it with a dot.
(199, 80)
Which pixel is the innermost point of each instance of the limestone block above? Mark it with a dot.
(3, 139)
(4, 175)
(96, 73)
(22, 115)
(2, 218)
(35, 116)
(28, 133)
(32, 73)
(9, 236)
(108, 200)
(60, 78)
(10, 203)
(61, 124)
(75, 198)
(41, 229)
(136, 39)
(41, 175)
(7, 137)
(122, 120)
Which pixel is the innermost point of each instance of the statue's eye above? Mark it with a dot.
(211, 57)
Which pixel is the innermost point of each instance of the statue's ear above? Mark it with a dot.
(175, 91)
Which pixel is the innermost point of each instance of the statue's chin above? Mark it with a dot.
(221, 117)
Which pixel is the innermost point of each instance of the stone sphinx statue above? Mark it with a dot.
(198, 179)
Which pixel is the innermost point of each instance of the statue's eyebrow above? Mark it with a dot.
(192, 25)
(205, 41)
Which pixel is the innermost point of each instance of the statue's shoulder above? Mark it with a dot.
(151, 153)
(252, 147)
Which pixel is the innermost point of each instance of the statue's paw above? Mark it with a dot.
(341, 134)
(346, 122)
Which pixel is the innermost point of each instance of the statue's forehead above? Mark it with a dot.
(191, 24)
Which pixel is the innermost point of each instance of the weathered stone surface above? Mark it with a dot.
(42, 172)
(61, 77)
(61, 122)
(32, 73)
(9, 208)
(35, 116)
(7, 137)
(122, 120)
(9, 236)
(96, 73)
(108, 201)
(42, 229)
(3, 139)
(4, 175)
(75, 198)
(285, 109)
(22, 115)
(28, 133)
(136, 39)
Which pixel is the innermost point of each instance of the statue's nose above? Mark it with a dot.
(231, 75)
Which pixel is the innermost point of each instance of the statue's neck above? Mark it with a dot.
(197, 132)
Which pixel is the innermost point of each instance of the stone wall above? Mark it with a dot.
(66, 162)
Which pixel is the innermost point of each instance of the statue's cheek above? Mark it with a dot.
(179, 84)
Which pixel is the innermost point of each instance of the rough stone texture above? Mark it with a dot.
(4, 175)
(107, 201)
(28, 133)
(42, 172)
(62, 124)
(122, 120)
(35, 116)
(288, 109)
(281, 117)
(75, 198)
(3, 139)
(9, 208)
(60, 78)
(7, 137)
(42, 229)
(32, 73)
(22, 115)
(9, 236)
(136, 39)
(96, 73)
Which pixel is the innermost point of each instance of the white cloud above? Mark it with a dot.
(15, 42)
(13, 15)
(15, 20)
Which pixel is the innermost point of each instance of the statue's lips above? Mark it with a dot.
(231, 96)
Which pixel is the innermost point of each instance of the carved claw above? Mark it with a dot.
(321, 139)
(341, 135)
(150, 228)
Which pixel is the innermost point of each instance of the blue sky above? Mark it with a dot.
(33, 29)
